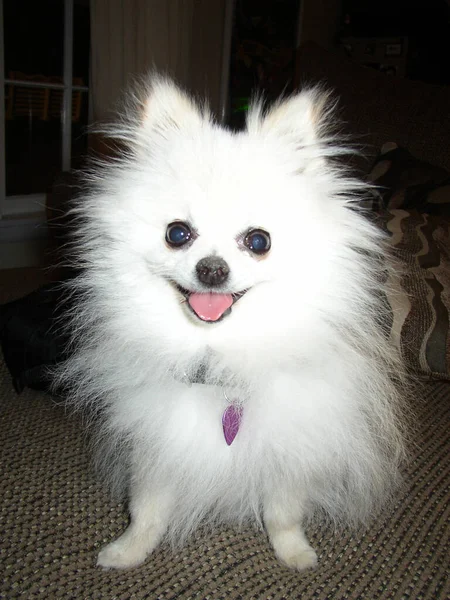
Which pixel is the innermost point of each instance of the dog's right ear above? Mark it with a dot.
(154, 108)
(164, 107)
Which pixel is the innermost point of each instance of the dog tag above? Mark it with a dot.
(231, 420)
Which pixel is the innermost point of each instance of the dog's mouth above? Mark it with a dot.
(209, 306)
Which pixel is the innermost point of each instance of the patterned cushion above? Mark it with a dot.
(406, 182)
(420, 296)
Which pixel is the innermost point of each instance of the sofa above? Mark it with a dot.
(55, 515)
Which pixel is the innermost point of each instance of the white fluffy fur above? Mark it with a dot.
(301, 352)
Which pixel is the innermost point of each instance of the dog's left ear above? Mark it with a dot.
(301, 120)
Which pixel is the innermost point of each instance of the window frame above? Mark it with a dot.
(34, 204)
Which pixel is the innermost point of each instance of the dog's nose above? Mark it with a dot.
(212, 270)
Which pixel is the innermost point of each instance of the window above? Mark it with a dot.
(44, 74)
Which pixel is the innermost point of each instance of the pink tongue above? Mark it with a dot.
(210, 307)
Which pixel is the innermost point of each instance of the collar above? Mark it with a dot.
(198, 377)
(232, 415)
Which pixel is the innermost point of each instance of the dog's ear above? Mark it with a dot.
(163, 106)
(153, 108)
(302, 121)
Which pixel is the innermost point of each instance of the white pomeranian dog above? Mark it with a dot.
(227, 334)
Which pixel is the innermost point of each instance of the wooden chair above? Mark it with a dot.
(29, 101)
(56, 100)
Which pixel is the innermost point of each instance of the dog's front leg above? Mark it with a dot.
(150, 511)
(283, 516)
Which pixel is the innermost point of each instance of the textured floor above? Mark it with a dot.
(54, 517)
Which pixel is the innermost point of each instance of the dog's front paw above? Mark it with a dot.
(124, 553)
(301, 560)
(293, 550)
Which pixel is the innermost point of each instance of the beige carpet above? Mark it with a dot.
(55, 517)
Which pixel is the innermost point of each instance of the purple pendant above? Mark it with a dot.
(231, 419)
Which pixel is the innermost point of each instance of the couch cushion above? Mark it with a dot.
(420, 296)
(406, 182)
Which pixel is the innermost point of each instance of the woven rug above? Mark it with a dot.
(55, 517)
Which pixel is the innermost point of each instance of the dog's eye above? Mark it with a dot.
(178, 234)
(257, 241)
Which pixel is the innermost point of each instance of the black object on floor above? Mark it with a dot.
(32, 337)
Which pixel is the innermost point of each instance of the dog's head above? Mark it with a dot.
(227, 228)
